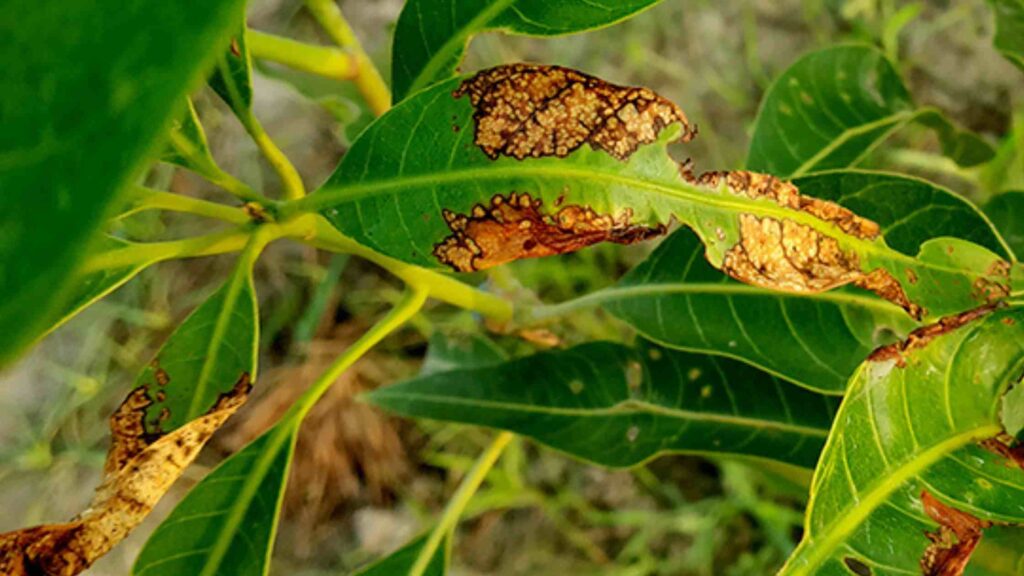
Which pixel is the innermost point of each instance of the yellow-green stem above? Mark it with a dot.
(367, 79)
(450, 517)
(320, 60)
(317, 231)
(205, 166)
(293, 187)
(143, 198)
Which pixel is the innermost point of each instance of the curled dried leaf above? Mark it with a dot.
(955, 540)
(920, 337)
(514, 227)
(531, 110)
(139, 469)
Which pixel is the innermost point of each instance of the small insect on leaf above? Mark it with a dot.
(954, 541)
(139, 469)
(530, 110)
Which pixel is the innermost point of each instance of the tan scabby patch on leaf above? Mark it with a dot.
(920, 337)
(756, 185)
(530, 110)
(954, 541)
(513, 227)
(139, 469)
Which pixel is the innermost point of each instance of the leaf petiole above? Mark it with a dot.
(320, 60)
(142, 198)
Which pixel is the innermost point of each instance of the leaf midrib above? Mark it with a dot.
(624, 407)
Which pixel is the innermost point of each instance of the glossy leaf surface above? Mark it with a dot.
(831, 107)
(618, 406)
(401, 561)
(431, 35)
(910, 424)
(1007, 213)
(81, 113)
(1009, 18)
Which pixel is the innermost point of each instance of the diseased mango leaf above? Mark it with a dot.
(225, 525)
(578, 161)
(1009, 18)
(915, 468)
(139, 469)
(232, 76)
(402, 560)
(1007, 213)
(431, 35)
(678, 300)
(633, 404)
(204, 356)
(833, 106)
(81, 112)
(817, 341)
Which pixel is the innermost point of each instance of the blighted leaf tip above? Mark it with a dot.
(528, 110)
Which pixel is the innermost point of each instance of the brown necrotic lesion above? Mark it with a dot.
(515, 226)
(525, 110)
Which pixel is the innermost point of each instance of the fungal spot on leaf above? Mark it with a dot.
(531, 110)
(1006, 447)
(632, 433)
(634, 376)
(576, 386)
(953, 543)
(693, 374)
(856, 566)
(995, 284)
(513, 227)
(920, 337)
(140, 467)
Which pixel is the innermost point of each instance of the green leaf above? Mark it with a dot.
(207, 354)
(678, 300)
(87, 93)
(403, 559)
(1007, 213)
(410, 205)
(910, 423)
(232, 77)
(832, 107)
(816, 340)
(619, 406)
(187, 146)
(1009, 17)
(464, 350)
(225, 525)
(431, 35)
(92, 287)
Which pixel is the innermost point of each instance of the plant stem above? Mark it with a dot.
(203, 165)
(367, 78)
(450, 517)
(143, 198)
(317, 231)
(293, 187)
(411, 303)
(320, 60)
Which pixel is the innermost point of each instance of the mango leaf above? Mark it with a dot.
(87, 289)
(633, 404)
(403, 559)
(832, 107)
(816, 340)
(232, 77)
(207, 353)
(469, 350)
(677, 299)
(139, 469)
(1007, 213)
(904, 457)
(431, 35)
(76, 134)
(1009, 17)
(227, 523)
(576, 161)
(187, 146)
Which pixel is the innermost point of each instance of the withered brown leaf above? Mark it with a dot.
(955, 540)
(139, 469)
